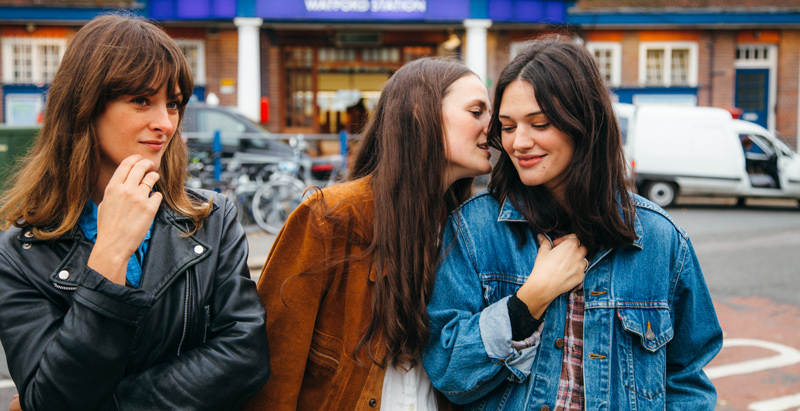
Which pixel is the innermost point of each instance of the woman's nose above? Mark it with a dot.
(162, 121)
(523, 141)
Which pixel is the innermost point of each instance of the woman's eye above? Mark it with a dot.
(508, 129)
(140, 101)
(173, 105)
(541, 126)
(477, 113)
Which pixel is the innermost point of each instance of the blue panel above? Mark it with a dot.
(53, 13)
(479, 9)
(500, 10)
(527, 11)
(661, 18)
(162, 9)
(194, 9)
(241, 8)
(626, 95)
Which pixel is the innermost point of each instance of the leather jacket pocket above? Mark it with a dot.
(646, 332)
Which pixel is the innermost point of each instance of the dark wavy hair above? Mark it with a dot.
(403, 150)
(111, 56)
(570, 91)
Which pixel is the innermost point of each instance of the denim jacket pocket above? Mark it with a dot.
(498, 286)
(646, 332)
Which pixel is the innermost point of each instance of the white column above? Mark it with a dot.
(475, 54)
(248, 82)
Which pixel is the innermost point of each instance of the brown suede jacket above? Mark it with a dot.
(317, 289)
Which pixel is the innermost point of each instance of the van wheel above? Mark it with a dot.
(661, 192)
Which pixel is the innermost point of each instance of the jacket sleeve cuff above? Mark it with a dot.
(112, 300)
(495, 328)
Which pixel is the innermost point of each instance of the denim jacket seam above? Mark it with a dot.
(462, 231)
(684, 250)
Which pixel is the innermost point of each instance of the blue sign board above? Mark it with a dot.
(499, 11)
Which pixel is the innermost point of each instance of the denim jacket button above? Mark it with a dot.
(559, 345)
(373, 402)
(544, 408)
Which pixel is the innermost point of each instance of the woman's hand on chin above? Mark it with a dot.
(124, 217)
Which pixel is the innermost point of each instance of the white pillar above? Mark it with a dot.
(475, 55)
(248, 83)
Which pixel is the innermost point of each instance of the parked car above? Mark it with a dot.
(703, 151)
(239, 134)
(241, 138)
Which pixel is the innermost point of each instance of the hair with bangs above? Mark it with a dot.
(570, 91)
(402, 148)
(111, 56)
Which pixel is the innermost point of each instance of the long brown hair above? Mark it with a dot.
(570, 91)
(111, 56)
(403, 150)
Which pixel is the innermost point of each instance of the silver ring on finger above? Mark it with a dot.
(587, 265)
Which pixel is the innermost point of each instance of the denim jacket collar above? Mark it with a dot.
(509, 213)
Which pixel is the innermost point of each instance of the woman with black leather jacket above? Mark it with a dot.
(119, 288)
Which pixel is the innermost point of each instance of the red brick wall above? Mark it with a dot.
(222, 56)
(723, 72)
(271, 77)
(788, 82)
(630, 59)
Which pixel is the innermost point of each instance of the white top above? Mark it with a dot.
(407, 390)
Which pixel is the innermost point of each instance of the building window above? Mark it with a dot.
(751, 53)
(668, 64)
(609, 60)
(195, 52)
(30, 60)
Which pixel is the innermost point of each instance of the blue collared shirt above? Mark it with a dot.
(88, 224)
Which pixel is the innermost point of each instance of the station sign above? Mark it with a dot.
(364, 10)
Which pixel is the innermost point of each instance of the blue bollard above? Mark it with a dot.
(217, 147)
(343, 145)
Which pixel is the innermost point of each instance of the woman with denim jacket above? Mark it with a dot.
(515, 325)
(348, 278)
(120, 288)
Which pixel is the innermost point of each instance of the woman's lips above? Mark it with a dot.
(155, 145)
(529, 161)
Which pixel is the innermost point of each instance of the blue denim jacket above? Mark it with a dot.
(654, 284)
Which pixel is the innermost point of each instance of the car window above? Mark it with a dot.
(209, 121)
(623, 129)
(762, 145)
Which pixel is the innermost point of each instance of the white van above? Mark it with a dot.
(703, 151)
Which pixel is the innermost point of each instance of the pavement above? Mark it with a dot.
(260, 243)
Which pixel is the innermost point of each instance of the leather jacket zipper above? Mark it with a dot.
(65, 287)
(185, 314)
(208, 322)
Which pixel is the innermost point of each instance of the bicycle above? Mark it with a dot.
(284, 191)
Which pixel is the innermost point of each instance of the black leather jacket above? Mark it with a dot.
(191, 337)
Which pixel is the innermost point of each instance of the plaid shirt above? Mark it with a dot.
(570, 384)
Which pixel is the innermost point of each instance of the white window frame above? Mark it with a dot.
(37, 66)
(200, 73)
(616, 58)
(668, 46)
